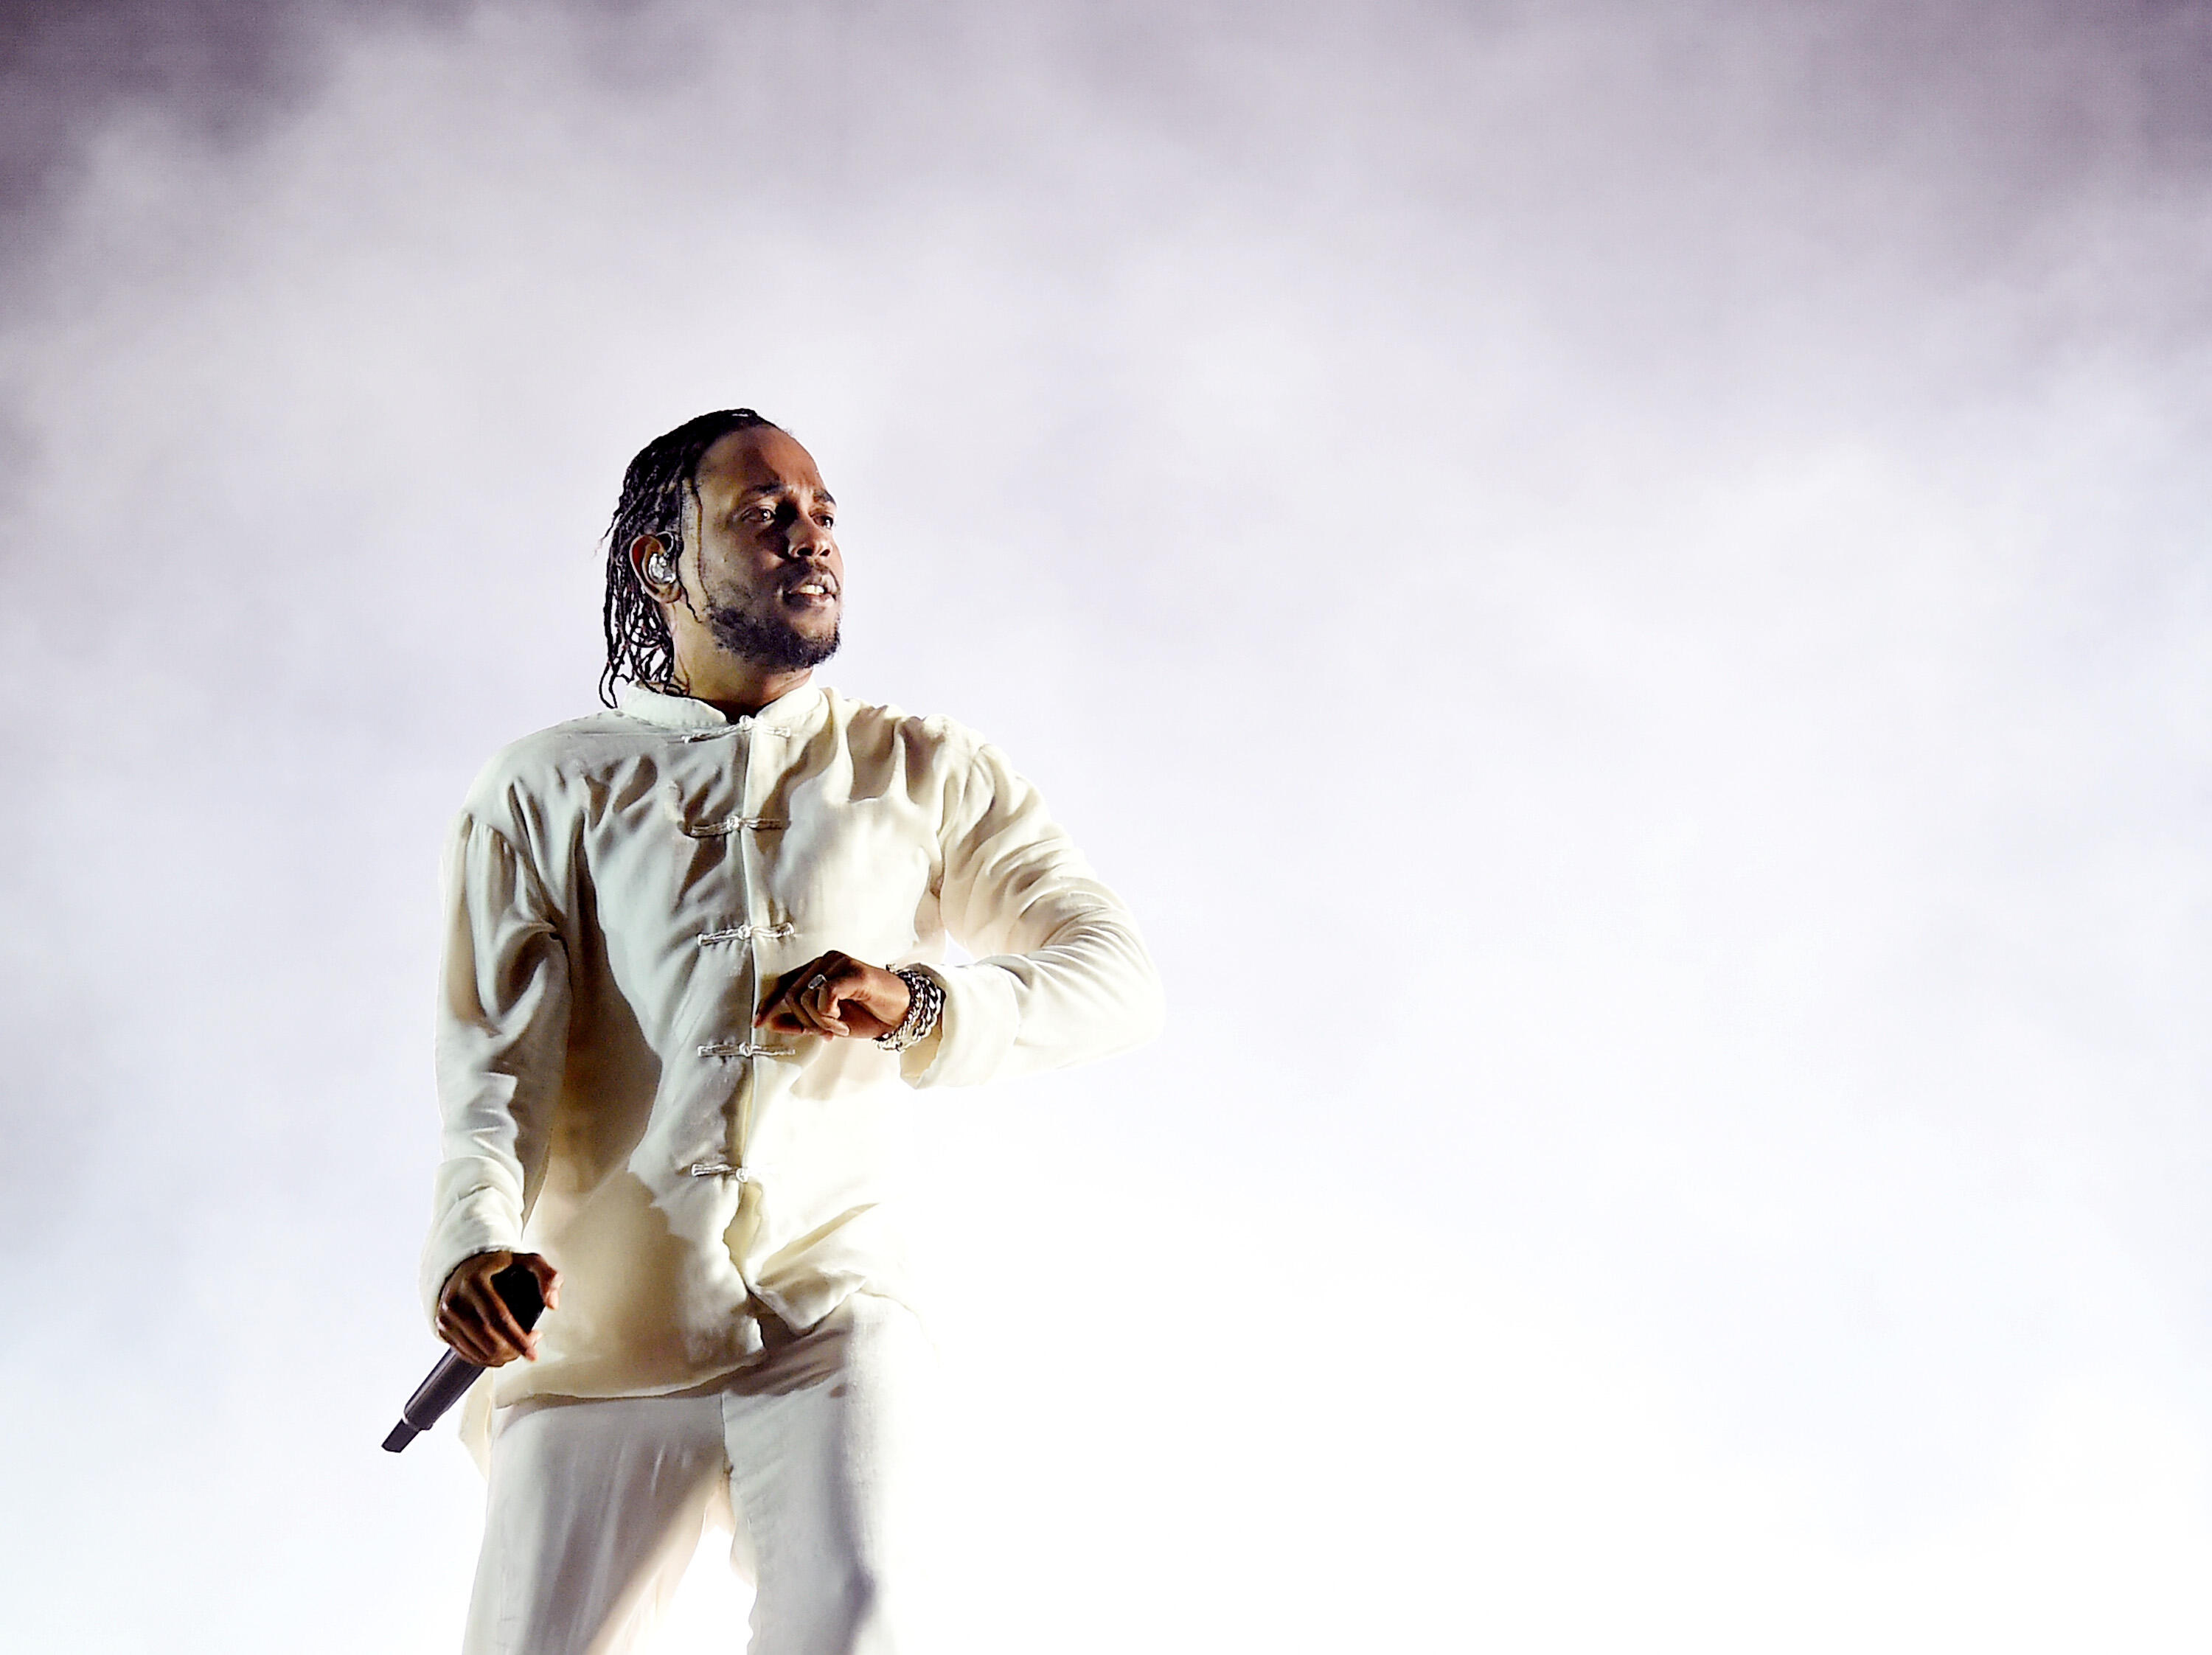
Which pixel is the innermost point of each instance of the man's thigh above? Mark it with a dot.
(594, 1508)
(820, 1439)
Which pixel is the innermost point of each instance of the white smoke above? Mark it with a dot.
(1624, 593)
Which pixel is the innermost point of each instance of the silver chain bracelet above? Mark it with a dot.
(926, 1002)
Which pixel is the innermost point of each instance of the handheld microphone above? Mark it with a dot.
(455, 1372)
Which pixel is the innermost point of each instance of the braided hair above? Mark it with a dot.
(638, 647)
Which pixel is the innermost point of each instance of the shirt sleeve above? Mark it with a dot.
(1062, 975)
(501, 1037)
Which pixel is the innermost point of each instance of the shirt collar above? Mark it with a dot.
(792, 708)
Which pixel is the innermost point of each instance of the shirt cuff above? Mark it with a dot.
(974, 1033)
(484, 1221)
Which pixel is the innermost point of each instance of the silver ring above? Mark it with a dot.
(820, 977)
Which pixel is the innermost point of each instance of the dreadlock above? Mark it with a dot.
(638, 647)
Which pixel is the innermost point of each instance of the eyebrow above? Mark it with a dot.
(822, 495)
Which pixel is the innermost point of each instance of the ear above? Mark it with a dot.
(655, 568)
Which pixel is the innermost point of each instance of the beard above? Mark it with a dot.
(767, 640)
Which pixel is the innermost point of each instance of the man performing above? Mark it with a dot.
(694, 958)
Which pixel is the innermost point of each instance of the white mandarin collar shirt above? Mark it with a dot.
(623, 890)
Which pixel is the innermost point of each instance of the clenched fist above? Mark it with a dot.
(474, 1320)
(836, 995)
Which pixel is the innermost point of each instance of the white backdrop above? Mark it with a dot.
(1700, 510)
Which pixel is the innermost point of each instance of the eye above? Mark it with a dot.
(827, 519)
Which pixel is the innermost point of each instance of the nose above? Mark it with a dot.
(806, 538)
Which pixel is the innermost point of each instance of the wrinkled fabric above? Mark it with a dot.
(623, 890)
(596, 1508)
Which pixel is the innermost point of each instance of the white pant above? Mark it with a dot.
(597, 1505)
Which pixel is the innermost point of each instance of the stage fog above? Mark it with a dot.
(1624, 592)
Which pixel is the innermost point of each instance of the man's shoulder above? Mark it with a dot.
(883, 725)
(545, 761)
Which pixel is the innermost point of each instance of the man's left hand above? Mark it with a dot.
(835, 995)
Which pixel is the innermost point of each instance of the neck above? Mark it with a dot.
(735, 688)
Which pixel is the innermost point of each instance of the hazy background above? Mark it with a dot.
(1624, 589)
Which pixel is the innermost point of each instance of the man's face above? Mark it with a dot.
(767, 560)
